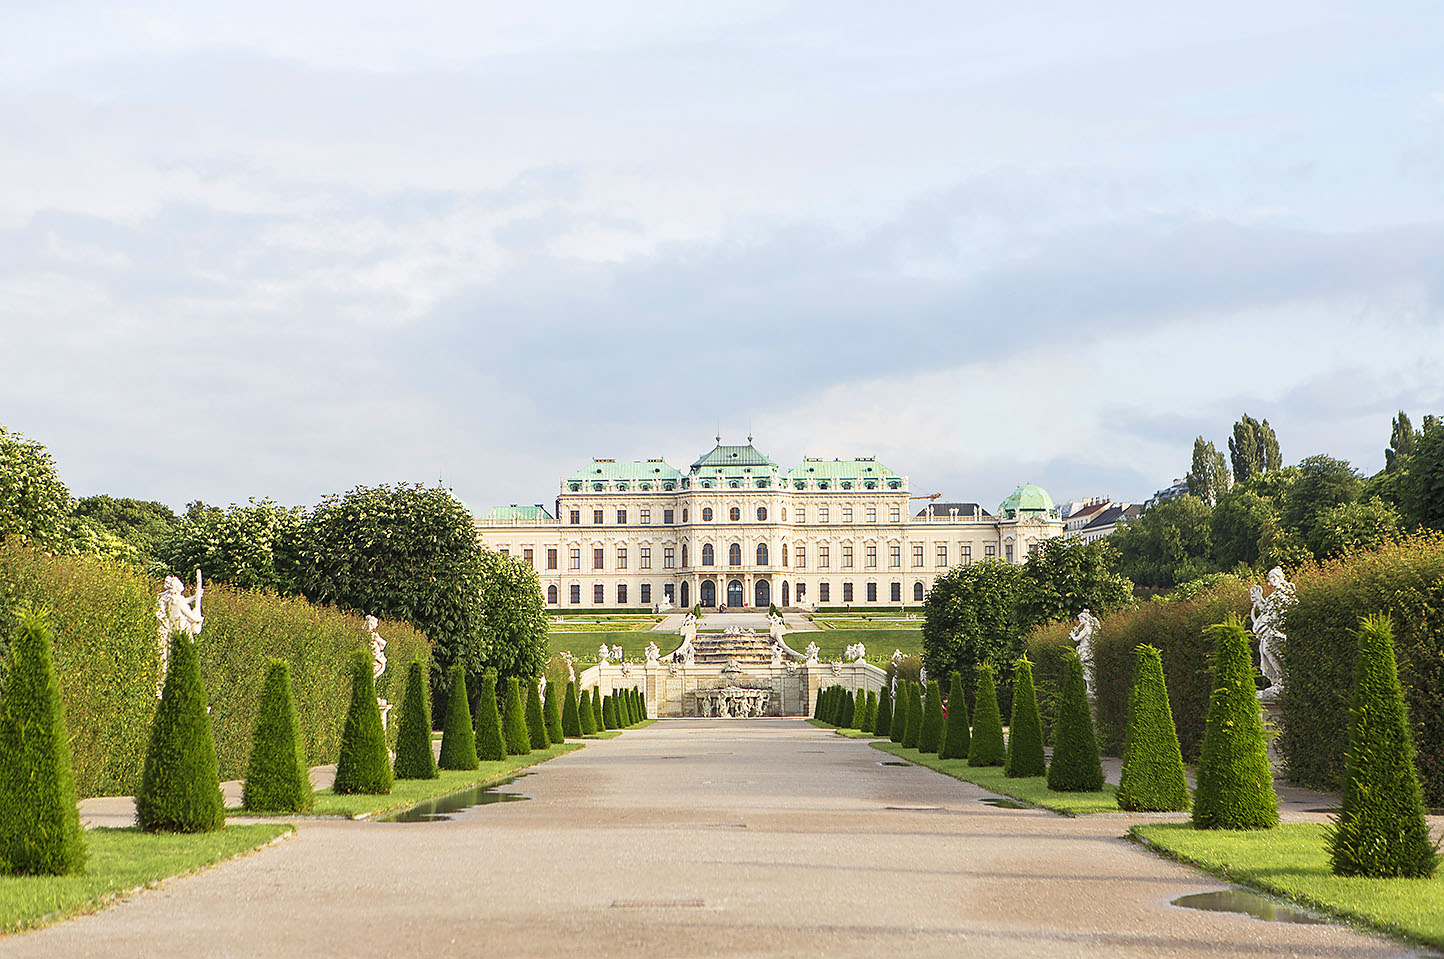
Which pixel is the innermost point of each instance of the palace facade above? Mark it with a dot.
(737, 530)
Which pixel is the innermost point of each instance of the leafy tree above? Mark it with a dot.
(1424, 485)
(1253, 449)
(1381, 831)
(180, 785)
(1322, 484)
(971, 617)
(985, 747)
(1169, 544)
(930, 736)
(249, 547)
(956, 739)
(1401, 443)
(1152, 778)
(514, 727)
(490, 741)
(40, 830)
(458, 738)
(1062, 577)
(571, 713)
(882, 722)
(516, 622)
(414, 759)
(1025, 729)
(1356, 527)
(145, 525)
(1235, 783)
(1209, 478)
(364, 765)
(277, 780)
(1075, 766)
(34, 504)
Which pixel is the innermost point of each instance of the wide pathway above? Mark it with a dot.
(700, 838)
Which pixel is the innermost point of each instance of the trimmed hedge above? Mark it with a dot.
(571, 713)
(1381, 831)
(609, 712)
(587, 716)
(364, 765)
(985, 746)
(102, 616)
(536, 724)
(958, 738)
(598, 719)
(1152, 779)
(514, 729)
(40, 830)
(871, 719)
(930, 734)
(458, 738)
(900, 714)
(552, 714)
(1025, 729)
(413, 733)
(1235, 783)
(882, 722)
(914, 728)
(1075, 766)
(180, 790)
(277, 780)
(490, 741)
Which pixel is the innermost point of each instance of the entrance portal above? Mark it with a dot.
(763, 594)
(708, 593)
(734, 593)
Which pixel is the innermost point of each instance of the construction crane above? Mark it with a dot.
(927, 496)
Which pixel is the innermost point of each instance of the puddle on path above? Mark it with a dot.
(1005, 802)
(443, 807)
(895, 762)
(1249, 903)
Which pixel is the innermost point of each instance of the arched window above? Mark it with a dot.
(762, 514)
(552, 595)
(706, 514)
(684, 514)
(917, 592)
(684, 555)
(761, 554)
(784, 514)
(707, 556)
(735, 514)
(734, 554)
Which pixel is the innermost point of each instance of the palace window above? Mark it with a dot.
(784, 555)
(1009, 551)
(551, 559)
(706, 514)
(799, 557)
(621, 517)
(574, 558)
(598, 558)
(872, 592)
(668, 592)
(965, 554)
(801, 515)
(847, 557)
(872, 557)
(574, 595)
(709, 558)
(895, 593)
(847, 514)
(528, 556)
(646, 594)
(847, 592)
(894, 556)
(761, 554)
(762, 514)
(576, 517)
(894, 515)
(917, 592)
(824, 561)
(872, 514)
(824, 592)
(505, 551)
(918, 554)
(599, 595)
(645, 517)
(646, 557)
(990, 551)
(822, 514)
(734, 514)
(669, 557)
(552, 595)
(621, 557)
(621, 594)
(597, 517)
(784, 514)
(684, 555)
(734, 554)
(684, 514)
(801, 592)
(942, 556)
(667, 517)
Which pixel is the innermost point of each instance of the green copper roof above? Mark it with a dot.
(603, 469)
(863, 473)
(1028, 499)
(500, 513)
(728, 458)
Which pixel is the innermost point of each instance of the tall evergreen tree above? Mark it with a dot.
(1401, 443)
(277, 778)
(1235, 783)
(1253, 448)
(1075, 766)
(882, 722)
(1209, 478)
(514, 728)
(914, 727)
(1381, 831)
(985, 746)
(958, 739)
(1152, 778)
(490, 740)
(40, 830)
(458, 738)
(930, 734)
(571, 713)
(536, 724)
(180, 786)
(1025, 729)
(413, 732)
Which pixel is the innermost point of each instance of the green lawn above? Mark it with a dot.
(1292, 861)
(122, 860)
(870, 621)
(879, 642)
(1030, 789)
(617, 623)
(583, 645)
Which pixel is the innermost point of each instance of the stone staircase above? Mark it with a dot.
(718, 649)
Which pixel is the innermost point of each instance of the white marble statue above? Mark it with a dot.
(812, 654)
(857, 652)
(626, 668)
(604, 652)
(896, 656)
(653, 653)
(1082, 637)
(173, 611)
(378, 662)
(571, 662)
(836, 667)
(776, 654)
(1267, 620)
(923, 678)
(617, 653)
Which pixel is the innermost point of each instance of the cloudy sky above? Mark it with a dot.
(281, 249)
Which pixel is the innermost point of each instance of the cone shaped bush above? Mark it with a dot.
(930, 734)
(552, 713)
(1075, 766)
(1381, 831)
(1025, 729)
(956, 742)
(882, 722)
(609, 712)
(642, 706)
(277, 779)
(513, 722)
(849, 710)
(458, 738)
(364, 765)
(817, 705)
(626, 706)
(490, 741)
(597, 718)
(571, 713)
(536, 724)
(413, 731)
(985, 745)
(900, 714)
(914, 727)
(180, 786)
(587, 716)
(1152, 779)
(833, 713)
(1235, 783)
(40, 830)
(870, 720)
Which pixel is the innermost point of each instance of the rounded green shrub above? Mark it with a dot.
(40, 830)
(914, 727)
(458, 738)
(1235, 783)
(1025, 729)
(277, 779)
(882, 722)
(586, 715)
(414, 759)
(930, 733)
(552, 713)
(180, 785)
(490, 741)
(364, 765)
(571, 713)
(899, 726)
(957, 738)
(1152, 779)
(514, 727)
(985, 745)
(1075, 766)
(1381, 831)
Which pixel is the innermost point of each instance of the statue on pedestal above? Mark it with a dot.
(812, 654)
(652, 654)
(1082, 637)
(1266, 620)
(173, 611)
(604, 652)
(378, 662)
(857, 652)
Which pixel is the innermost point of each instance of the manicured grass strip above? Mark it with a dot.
(1292, 861)
(855, 734)
(122, 860)
(583, 645)
(1031, 789)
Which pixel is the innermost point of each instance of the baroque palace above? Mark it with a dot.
(737, 530)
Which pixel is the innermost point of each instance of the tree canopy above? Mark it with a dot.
(34, 503)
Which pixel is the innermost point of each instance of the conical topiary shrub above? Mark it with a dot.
(899, 726)
(1235, 783)
(956, 741)
(277, 779)
(40, 830)
(1025, 728)
(642, 707)
(587, 716)
(513, 721)
(180, 786)
(552, 713)
(849, 710)
(414, 759)
(914, 727)
(930, 734)
(625, 703)
(882, 722)
(1075, 766)
(870, 720)
(364, 765)
(1381, 831)
(571, 713)
(609, 712)
(597, 718)
(817, 705)
(490, 741)
(985, 745)
(536, 724)
(458, 738)
(1152, 779)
